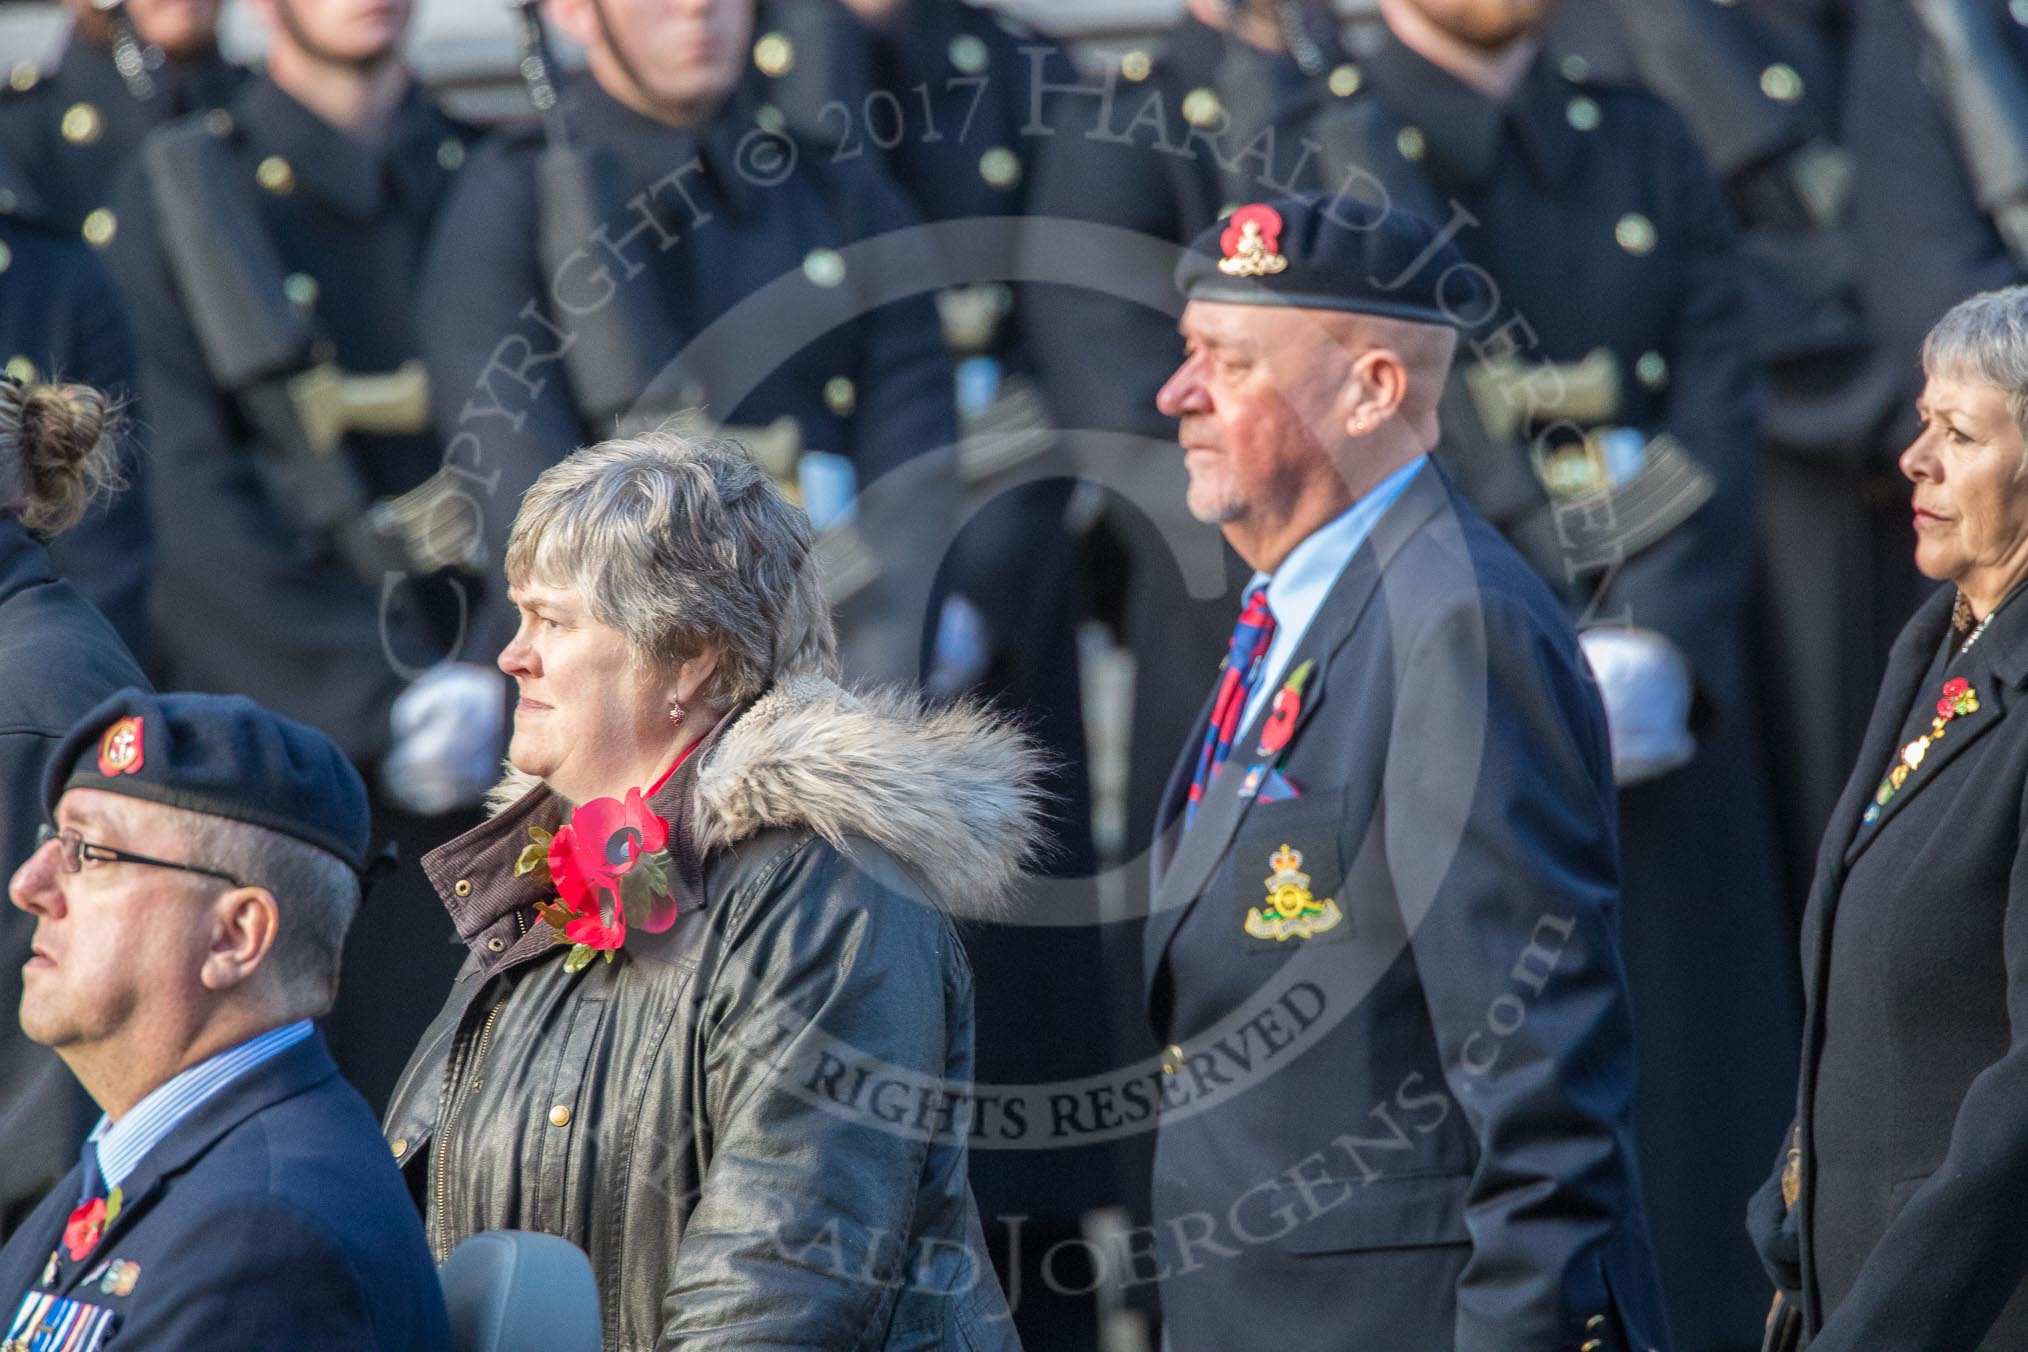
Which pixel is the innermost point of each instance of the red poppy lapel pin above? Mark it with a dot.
(88, 1222)
(1284, 712)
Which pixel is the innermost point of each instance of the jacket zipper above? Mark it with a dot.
(464, 1083)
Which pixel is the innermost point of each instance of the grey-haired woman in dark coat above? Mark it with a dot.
(1894, 1218)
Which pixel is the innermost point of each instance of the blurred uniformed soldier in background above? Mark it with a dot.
(579, 259)
(65, 136)
(1604, 419)
(269, 253)
(938, 92)
(60, 316)
(127, 68)
(1761, 86)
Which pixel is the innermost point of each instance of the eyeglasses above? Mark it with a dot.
(74, 849)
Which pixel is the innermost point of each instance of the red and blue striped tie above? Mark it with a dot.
(1250, 639)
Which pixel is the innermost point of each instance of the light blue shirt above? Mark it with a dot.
(1297, 590)
(122, 1144)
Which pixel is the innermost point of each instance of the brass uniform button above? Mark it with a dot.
(1583, 113)
(496, 945)
(1652, 370)
(21, 369)
(2019, 9)
(1594, 1323)
(463, 887)
(218, 122)
(774, 55)
(1201, 107)
(98, 227)
(1345, 81)
(769, 118)
(1781, 83)
(301, 289)
(1636, 234)
(1137, 65)
(1000, 167)
(400, 1147)
(1591, 1345)
(824, 268)
(841, 396)
(274, 174)
(24, 77)
(6, 256)
(1172, 1060)
(559, 1116)
(969, 54)
(1575, 68)
(1409, 141)
(451, 154)
(82, 124)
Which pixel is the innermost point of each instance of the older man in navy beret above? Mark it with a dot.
(1395, 1099)
(201, 862)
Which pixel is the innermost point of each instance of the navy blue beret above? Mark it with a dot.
(222, 755)
(1336, 253)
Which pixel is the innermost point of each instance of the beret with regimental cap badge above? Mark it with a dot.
(1334, 253)
(222, 755)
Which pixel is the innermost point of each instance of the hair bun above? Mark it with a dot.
(61, 447)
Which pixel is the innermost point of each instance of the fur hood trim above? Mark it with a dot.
(953, 792)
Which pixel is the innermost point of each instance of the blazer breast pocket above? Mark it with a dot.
(1285, 871)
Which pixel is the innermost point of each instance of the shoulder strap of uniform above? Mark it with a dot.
(227, 269)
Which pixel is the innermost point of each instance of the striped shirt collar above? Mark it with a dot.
(123, 1144)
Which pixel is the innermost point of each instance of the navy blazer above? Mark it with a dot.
(271, 1217)
(1409, 1126)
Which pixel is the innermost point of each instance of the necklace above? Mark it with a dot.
(1961, 620)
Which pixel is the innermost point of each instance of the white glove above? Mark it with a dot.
(1645, 683)
(448, 728)
(963, 650)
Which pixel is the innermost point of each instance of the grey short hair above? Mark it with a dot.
(683, 543)
(1984, 339)
(316, 895)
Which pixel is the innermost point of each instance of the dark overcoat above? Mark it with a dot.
(1913, 1146)
(58, 658)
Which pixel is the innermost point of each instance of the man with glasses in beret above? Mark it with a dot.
(192, 888)
(1396, 1099)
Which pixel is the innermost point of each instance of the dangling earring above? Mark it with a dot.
(675, 712)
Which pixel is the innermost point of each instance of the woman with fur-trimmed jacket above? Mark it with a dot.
(716, 1025)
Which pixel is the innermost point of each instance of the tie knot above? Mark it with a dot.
(1256, 611)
